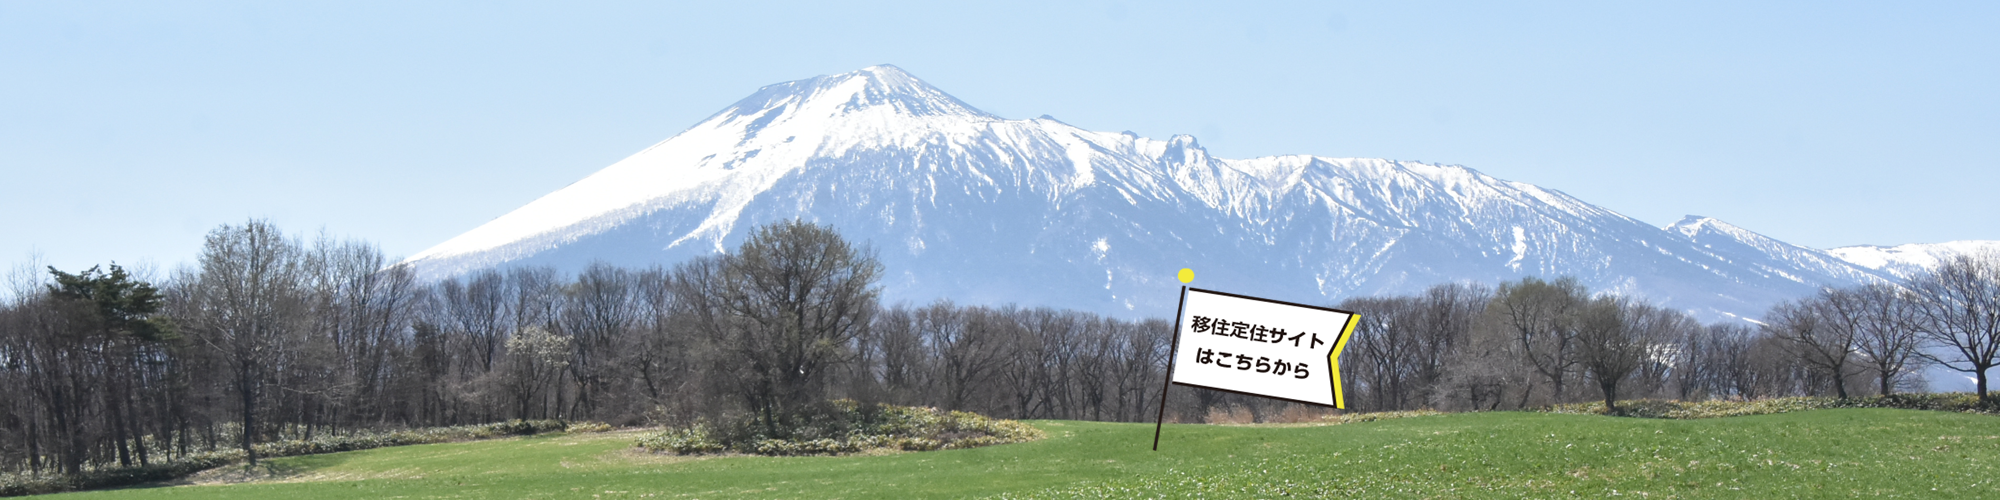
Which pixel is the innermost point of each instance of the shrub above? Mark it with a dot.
(693, 439)
(1355, 418)
(844, 427)
(1955, 401)
(588, 427)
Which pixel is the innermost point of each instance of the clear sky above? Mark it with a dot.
(128, 130)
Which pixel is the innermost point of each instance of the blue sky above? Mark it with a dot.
(128, 130)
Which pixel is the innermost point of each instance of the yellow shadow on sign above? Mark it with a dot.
(1340, 400)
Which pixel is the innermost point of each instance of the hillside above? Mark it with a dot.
(1823, 453)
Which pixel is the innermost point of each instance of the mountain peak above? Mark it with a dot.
(880, 87)
(1692, 225)
(1183, 150)
(1706, 229)
(892, 77)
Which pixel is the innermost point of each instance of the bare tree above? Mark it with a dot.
(246, 303)
(657, 355)
(1663, 330)
(1695, 366)
(1094, 366)
(477, 309)
(597, 311)
(1143, 352)
(1882, 318)
(782, 310)
(1818, 338)
(1386, 351)
(56, 373)
(534, 295)
(897, 340)
(1730, 348)
(1541, 317)
(1958, 309)
(1485, 369)
(1608, 348)
(1619, 337)
(1405, 346)
(1035, 358)
(1443, 322)
(364, 309)
(963, 355)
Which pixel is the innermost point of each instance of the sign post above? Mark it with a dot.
(1257, 346)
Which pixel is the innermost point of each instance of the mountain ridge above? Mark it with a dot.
(966, 205)
(1910, 259)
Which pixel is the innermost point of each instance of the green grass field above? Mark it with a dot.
(1813, 454)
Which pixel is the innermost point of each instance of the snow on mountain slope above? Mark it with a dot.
(1904, 261)
(965, 205)
(1773, 258)
(758, 134)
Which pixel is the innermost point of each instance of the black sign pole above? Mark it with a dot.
(1169, 382)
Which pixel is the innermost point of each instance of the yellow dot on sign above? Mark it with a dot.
(1187, 275)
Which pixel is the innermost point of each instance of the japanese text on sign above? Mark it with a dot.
(1262, 347)
(1249, 331)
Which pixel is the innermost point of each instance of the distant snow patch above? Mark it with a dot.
(1520, 248)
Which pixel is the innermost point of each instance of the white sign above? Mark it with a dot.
(1261, 347)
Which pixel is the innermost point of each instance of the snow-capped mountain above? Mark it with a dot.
(1906, 260)
(965, 205)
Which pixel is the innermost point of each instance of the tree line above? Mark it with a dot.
(1531, 342)
(270, 336)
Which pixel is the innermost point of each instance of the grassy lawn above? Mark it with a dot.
(1813, 454)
